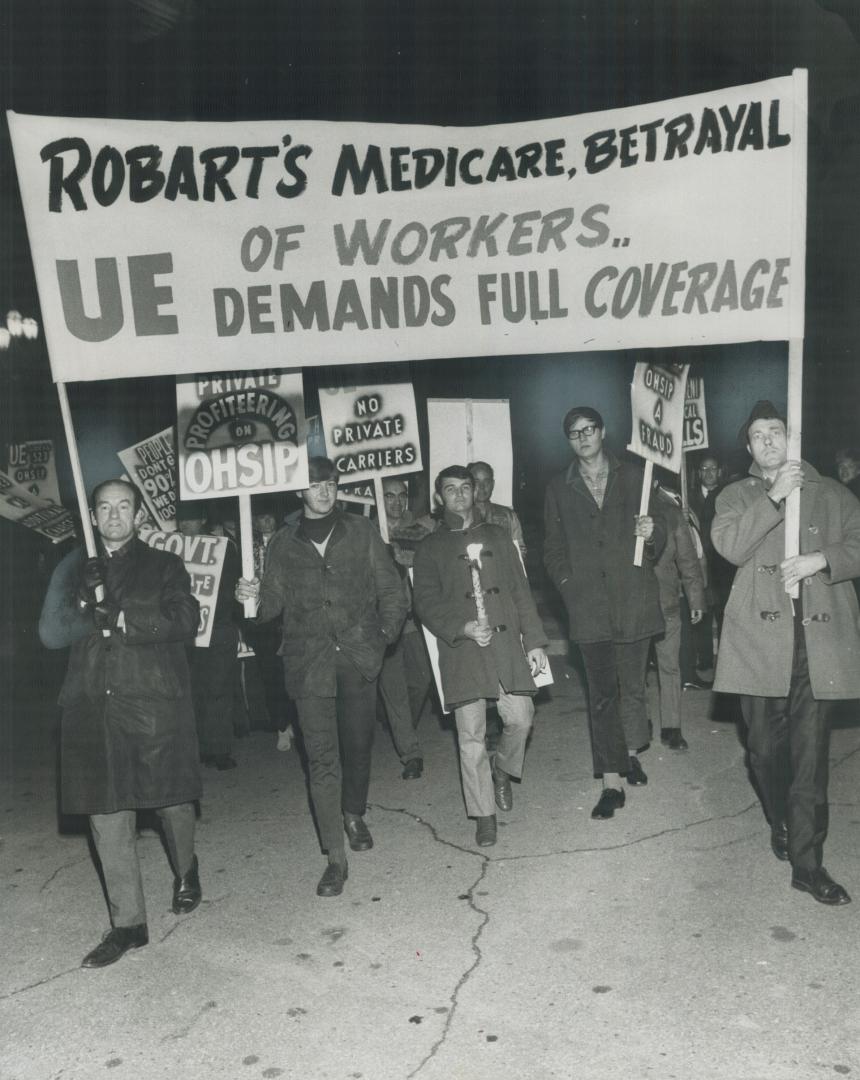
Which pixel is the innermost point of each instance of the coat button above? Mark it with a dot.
(328, 603)
(107, 691)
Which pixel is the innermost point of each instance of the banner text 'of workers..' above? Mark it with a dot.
(173, 248)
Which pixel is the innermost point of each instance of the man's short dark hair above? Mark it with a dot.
(457, 472)
(137, 500)
(848, 453)
(481, 465)
(321, 468)
(586, 413)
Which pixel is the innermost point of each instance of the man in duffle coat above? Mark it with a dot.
(338, 590)
(128, 739)
(787, 659)
(479, 662)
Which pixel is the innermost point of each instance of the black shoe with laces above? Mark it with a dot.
(115, 944)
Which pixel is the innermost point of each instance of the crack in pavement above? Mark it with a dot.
(183, 1033)
(453, 997)
(65, 866)
(41, 982)
(486, 862)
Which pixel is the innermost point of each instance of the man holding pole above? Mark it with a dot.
(592, 521)
(342, 603)
(788, 658)
(128, 738)
(471, 592)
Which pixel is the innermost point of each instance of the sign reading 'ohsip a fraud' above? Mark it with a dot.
(657, 404)
(371, 431)
(241, 433)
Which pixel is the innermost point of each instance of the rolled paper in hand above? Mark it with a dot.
(473, 554)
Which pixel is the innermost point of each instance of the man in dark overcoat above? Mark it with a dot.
(470, 590)
(787, 659)
(338, 590)
(128, 740)
(591, 520)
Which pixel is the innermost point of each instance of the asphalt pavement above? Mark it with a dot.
(663, 943)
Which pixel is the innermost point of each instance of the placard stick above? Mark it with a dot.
(685, 495)
(792, 503)
(246, 540)
(380, 509)
(80, 490)
(643, 509)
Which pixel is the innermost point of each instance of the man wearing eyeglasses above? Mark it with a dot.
(592, 521)
(788, 658)
(342, 605)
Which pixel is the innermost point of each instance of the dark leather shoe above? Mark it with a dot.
(820, 885)
(635, 775)
(413, 769)
(331, 883)
(673, 739)
(115, 944)
(779, 840)
(485, 831)
(611, 799)
(357, 833)
(186, 891)
(502, 789)
(698, 684)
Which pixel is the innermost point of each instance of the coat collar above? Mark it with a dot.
(573, 475)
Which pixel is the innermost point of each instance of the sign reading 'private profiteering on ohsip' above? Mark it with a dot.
(241, 433)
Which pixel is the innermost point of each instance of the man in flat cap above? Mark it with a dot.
(788, 659)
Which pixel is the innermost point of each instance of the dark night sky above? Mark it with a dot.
(473, 62)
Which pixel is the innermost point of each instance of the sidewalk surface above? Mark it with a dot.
(664, 943)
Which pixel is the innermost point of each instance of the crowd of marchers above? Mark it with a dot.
(342, 618)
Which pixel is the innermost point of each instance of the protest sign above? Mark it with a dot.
(471, 429)
(363, 493)
(172, 248)
(204, 560)
(33, 465)
(695, 416)
(241, 434)
(151, 466)
(371, 431)
(657, 407)
(19, 505)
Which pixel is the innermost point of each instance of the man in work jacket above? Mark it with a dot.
(342, 602)
(787, 659)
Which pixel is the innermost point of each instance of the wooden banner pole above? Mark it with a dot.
(80, 489)
(380, 509)
(246, 542)
(643, 509)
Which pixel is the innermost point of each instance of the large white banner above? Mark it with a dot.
(169, 248)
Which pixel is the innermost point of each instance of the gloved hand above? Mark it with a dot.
(106, 614)
(93, 574)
